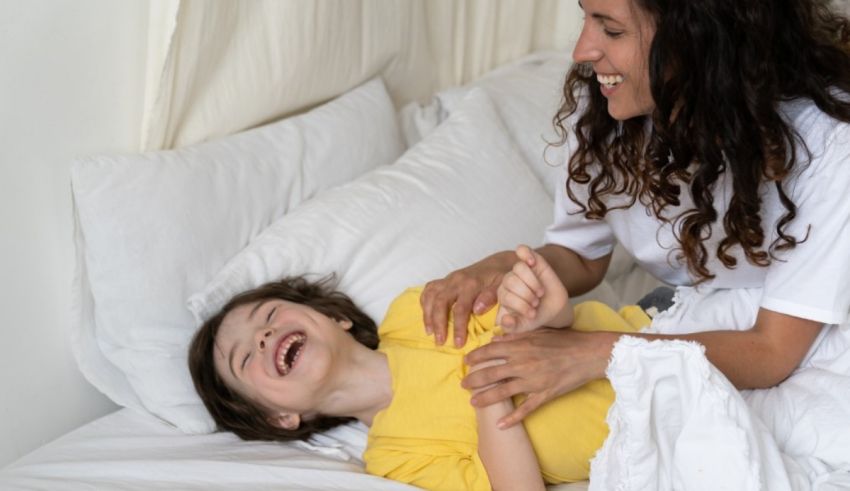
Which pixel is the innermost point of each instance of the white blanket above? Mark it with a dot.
(678, 423)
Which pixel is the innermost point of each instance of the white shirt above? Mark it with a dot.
(810, 281)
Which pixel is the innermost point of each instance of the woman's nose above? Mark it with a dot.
(262, 337)
(586, 50)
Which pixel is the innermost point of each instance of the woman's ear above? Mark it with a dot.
(285, 421)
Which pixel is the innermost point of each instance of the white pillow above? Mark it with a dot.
(527, 94)
(153, 228)
(460, 194)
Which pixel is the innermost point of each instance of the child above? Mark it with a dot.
(290, 358)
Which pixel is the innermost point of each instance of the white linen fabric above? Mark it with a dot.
(809, 281)
(153, 228)
(228, 66)
(134, 451)
(460, 194)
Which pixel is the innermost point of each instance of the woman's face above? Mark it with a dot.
(615, 40)
(282, 356)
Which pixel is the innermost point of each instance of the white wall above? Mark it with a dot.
(71, 83)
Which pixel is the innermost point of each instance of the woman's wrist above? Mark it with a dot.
(603, 347)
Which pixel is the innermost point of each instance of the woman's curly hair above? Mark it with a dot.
(718, 70)
(232, 411)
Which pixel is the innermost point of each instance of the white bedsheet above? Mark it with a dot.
(129, 450)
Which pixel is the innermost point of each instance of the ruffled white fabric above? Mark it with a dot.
(678, 423)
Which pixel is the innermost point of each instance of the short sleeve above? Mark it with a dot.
(812, 280)
(404, 324)
(590, 239)
(428, 464)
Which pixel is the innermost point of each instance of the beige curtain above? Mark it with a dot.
(217, 67)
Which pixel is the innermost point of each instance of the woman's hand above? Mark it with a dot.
(543, 364)
(467, 290)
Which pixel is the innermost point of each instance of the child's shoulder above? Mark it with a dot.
(404, 314)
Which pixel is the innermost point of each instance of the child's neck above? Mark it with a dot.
(366, 387)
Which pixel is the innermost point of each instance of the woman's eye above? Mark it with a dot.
(613, 34)
(245, 360)
(271, 313)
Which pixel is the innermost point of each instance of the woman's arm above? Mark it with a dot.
(507, 453)
(547, 363)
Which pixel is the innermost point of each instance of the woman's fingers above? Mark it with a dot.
(487, 376)
(542, 364)
(532, 402)
(459, 293)
(461, 311)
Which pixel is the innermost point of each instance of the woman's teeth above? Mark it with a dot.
(609, 80)
(289, 351)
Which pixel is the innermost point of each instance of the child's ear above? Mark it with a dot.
(285, 421)
(344, 323)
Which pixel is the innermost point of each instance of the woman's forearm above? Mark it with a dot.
(760, 357)
(546, 363)
(578, 274)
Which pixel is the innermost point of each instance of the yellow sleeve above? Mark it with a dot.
(428, 464)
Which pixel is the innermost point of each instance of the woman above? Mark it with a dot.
(711, 139)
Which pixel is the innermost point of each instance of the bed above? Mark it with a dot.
(130, 450)
(348, 184)
(162, 439)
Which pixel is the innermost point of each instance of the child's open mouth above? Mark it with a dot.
(288, 351)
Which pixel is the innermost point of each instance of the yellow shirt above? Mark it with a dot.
(428, 436)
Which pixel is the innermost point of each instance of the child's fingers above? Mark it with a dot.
(526, 255)
(517, 306)
(529, 277)
(515, 286)
(512, 284)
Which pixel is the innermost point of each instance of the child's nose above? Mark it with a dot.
(262, 337)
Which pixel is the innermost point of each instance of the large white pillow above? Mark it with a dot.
(527, 94)
(460, 194)
(153, 228)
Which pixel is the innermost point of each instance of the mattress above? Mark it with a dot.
(130, 450)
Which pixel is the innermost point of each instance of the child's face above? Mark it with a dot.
(281, 355)
(615, 39)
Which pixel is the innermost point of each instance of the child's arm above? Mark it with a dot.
(532, 295)
(507, 454)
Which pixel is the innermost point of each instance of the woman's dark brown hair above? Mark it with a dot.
(235, 413)
(718, 71)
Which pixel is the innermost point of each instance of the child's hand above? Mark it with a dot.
(531, 295)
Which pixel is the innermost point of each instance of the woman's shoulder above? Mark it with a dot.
(826, 139)
(814, 125)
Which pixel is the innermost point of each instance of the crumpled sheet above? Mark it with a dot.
(678, 423)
